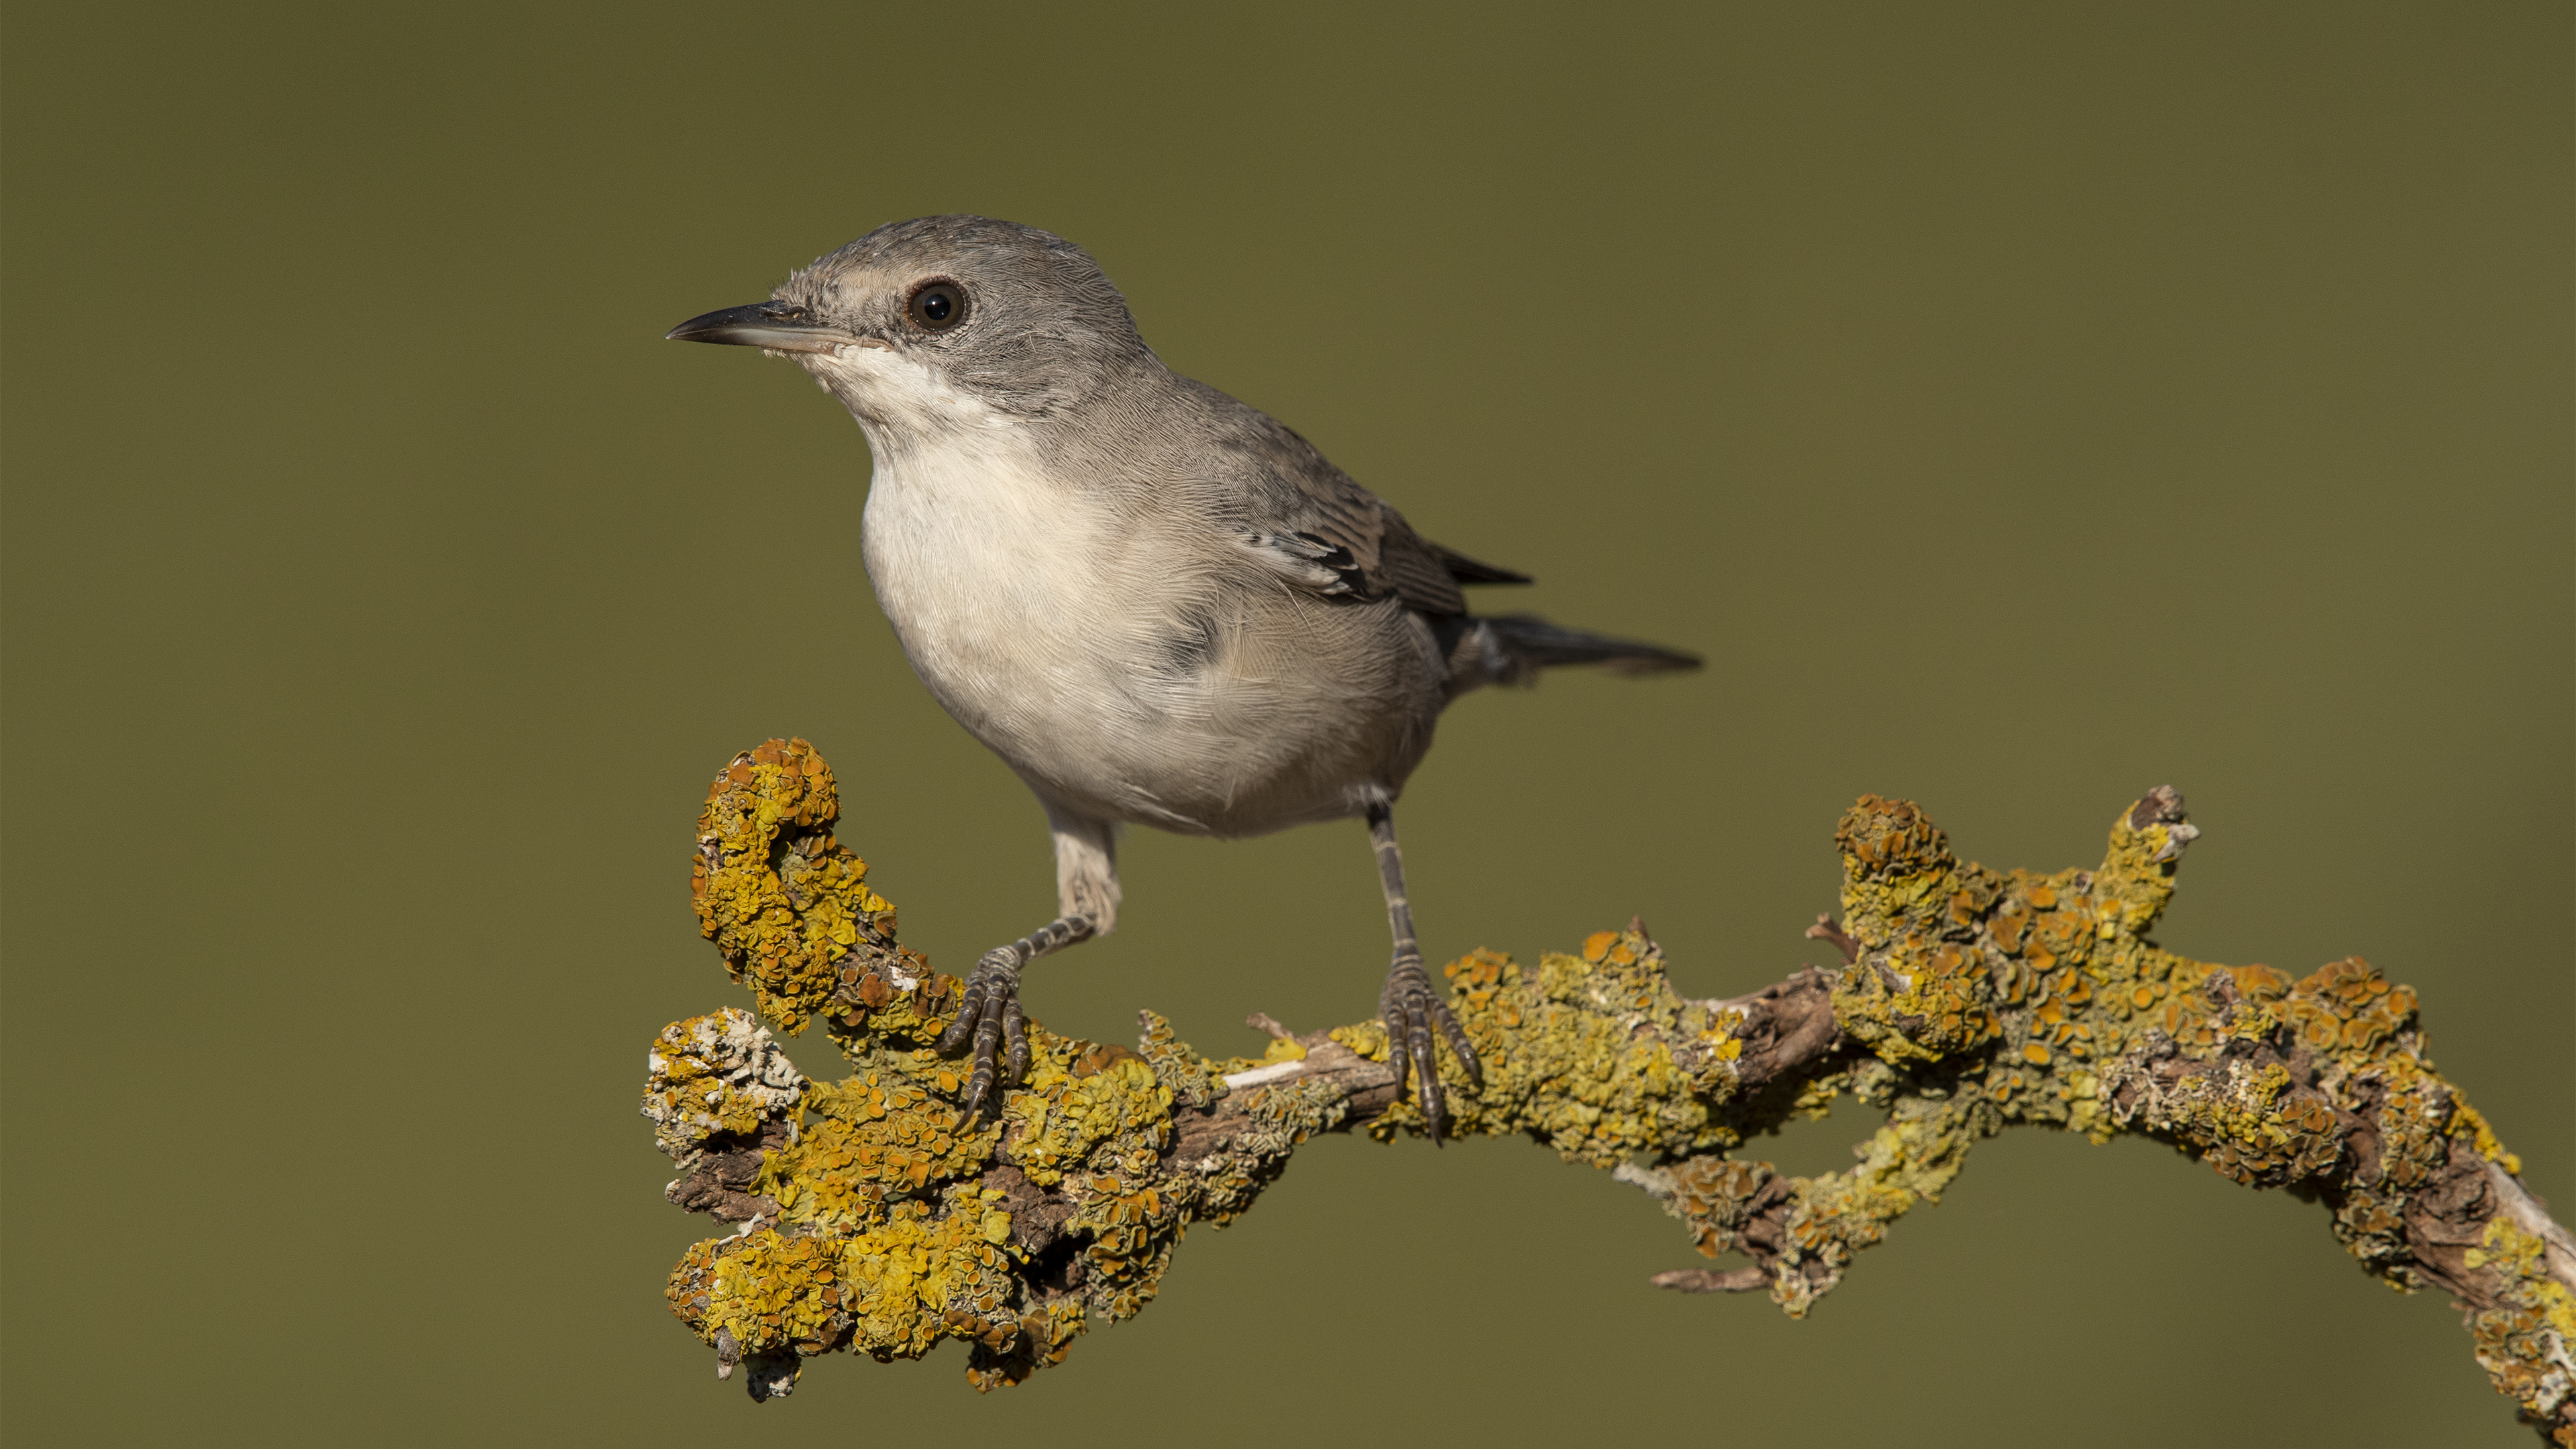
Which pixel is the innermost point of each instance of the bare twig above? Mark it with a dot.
(1825, 930)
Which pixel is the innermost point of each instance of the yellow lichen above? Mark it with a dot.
(779, 897)
(1599, 1059)
(2527, 1342)
(1070, 1107)
(881, 1221)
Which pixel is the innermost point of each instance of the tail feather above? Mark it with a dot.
(1513, 648)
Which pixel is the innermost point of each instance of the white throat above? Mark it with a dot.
(978, 556)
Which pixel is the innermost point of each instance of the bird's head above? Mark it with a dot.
(945, 321)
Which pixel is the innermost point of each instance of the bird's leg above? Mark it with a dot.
(989, 1015)
(1086, 872)
(1409, 1006)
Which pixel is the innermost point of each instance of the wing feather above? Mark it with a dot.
(1315, 527)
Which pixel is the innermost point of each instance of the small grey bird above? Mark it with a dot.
(1158, 605)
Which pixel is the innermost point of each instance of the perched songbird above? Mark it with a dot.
(1157, 604)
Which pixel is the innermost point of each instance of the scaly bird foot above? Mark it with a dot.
(1410, 1007)
(989, 1016)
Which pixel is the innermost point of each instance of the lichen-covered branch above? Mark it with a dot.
(873, 1218)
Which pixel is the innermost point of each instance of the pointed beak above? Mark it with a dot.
(776, 326)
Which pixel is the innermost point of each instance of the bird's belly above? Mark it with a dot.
(1120, 686)
(986, 586)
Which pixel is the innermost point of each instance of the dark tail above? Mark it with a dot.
(1513, 648)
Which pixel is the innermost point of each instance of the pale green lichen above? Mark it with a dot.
(714, 1075)
(880, 1222)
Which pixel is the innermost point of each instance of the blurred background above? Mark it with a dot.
(2020, 405)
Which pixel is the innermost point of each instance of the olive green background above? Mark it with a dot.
(2020, 405)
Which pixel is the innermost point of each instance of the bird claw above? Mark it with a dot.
(989, 1016)
(1411, 1009)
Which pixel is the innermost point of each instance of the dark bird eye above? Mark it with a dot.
(939, 306)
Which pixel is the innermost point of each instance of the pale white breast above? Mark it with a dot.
(1044, 616)
(1007, 587)
(983, 566)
